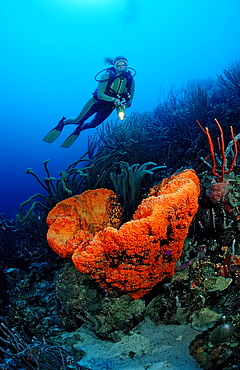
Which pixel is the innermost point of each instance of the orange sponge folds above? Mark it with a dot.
(78, 218)
(135, 256)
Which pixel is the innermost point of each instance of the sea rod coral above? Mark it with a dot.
(141, 252)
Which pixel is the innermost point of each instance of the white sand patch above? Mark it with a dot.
(147, 347)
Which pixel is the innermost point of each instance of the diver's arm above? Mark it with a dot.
(102, 88)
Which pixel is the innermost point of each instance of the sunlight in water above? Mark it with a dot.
(92, 4)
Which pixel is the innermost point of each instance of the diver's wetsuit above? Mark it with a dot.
(102, 110)
(101, 103)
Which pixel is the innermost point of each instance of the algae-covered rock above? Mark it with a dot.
(221, 333)
(118, 316)
(83, 301)
(79, 297)
(204, 319)
(221, 283)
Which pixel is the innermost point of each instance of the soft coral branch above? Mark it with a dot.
(219, 173)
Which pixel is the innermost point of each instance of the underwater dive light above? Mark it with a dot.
(121, 111)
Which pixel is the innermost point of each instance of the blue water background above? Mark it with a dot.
(52, 49)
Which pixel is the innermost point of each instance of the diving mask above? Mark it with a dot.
(121, 65)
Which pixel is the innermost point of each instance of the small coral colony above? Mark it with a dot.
(147, 224)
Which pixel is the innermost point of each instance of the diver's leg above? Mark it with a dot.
(103, 111)
(88, 110)
(98, 118)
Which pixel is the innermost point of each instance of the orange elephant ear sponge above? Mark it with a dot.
(78, 218)
(141, 252)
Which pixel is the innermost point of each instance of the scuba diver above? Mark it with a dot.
(115, 90)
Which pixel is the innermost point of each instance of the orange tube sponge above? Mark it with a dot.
(78, 218)
(143, 251)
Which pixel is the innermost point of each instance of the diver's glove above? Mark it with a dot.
(128, 103)
(117, 102)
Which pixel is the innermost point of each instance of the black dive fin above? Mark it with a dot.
(52, 135)
(71, 138)
(55, 132)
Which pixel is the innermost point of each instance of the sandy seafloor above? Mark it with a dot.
(147, 346)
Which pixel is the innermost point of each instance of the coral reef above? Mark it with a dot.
(46, 297)
(229, 80)
(32, 354)
(82, 301)
(217, 348)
